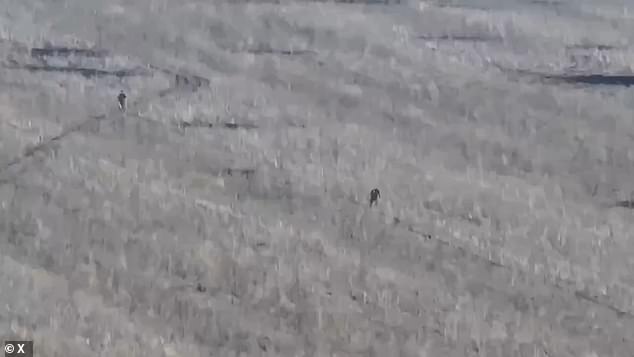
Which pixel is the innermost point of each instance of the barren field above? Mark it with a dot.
(226, 212)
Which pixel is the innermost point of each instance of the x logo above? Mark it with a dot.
(20, 348)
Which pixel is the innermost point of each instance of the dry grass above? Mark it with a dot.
(496, 234)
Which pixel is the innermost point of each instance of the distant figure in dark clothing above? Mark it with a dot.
(121, 98)
(374, 196)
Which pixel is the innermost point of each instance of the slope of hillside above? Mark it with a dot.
(226, 213)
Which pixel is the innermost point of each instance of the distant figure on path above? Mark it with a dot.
(121, 98)
(375, 194)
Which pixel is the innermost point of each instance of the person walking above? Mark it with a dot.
(121, 98)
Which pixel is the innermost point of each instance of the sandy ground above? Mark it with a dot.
(226, 212)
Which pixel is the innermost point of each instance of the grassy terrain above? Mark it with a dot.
(226, 213)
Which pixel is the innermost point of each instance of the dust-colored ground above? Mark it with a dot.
(226, 213)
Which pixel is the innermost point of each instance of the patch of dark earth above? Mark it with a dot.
(593, 47)
(39, 52)
(615, 80)
(227, 125)
(86, 72)
(271, 51)
(460, 38)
